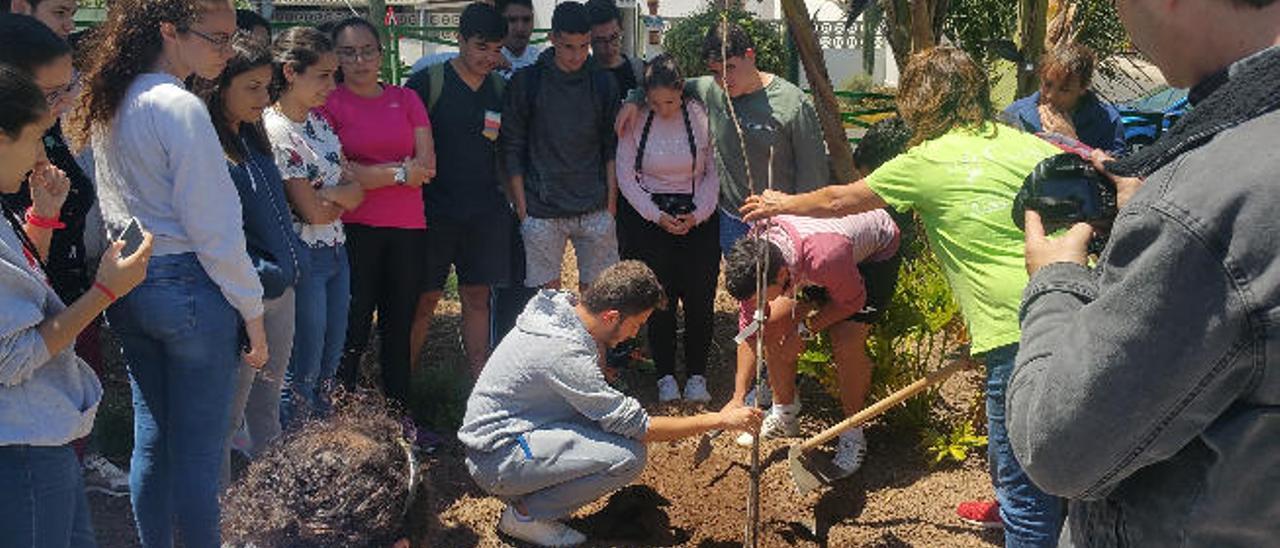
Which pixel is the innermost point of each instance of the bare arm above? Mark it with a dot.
(611, 178)
(310, 203)
(730, 418)
(516, 191)
(832, 201)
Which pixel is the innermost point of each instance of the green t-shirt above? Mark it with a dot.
(962, 185)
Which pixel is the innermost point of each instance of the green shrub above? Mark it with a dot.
(684, 40)
(440, 397)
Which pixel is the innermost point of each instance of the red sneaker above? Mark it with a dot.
(984, 514)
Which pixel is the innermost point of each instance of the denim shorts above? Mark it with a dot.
(595, 244)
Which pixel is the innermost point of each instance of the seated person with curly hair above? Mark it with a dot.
(350, 480)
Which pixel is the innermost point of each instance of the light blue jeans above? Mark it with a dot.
(1032, 518)
(559, 468)
(323, 298)
(43, 502)
(180, 339)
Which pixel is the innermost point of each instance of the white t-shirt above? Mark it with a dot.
(518, 62)
(307, 150)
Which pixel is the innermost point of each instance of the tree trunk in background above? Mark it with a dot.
(800, 26)
(870, 29)
(1033, 20)
(913, 25)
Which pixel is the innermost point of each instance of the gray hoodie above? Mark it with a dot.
(547, 370)
(560, 136)
(44, 400)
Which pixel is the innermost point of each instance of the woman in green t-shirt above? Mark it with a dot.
(960, 177)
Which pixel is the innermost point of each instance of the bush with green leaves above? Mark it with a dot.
(684, 39)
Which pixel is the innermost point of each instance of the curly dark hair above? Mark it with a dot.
(344, 481)
(739, 42)
(740, 266)
(885, 140)
(247, 55)
(943, 89)
(629, 287)
(129, 44)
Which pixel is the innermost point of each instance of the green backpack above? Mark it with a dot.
(435, 84)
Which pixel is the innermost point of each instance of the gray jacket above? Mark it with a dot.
(1147, 390)
(547, 370)
(557, 131)
(44, 400)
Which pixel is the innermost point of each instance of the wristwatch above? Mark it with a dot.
(402, 175)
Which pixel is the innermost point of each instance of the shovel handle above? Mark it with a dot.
(878, 408)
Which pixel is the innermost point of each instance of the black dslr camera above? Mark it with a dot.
(674, 204)
(1066, 189)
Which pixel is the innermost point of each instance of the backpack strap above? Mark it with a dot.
(693, 147)
(435, 84)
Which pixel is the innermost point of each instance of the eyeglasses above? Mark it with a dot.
(354, 55)
(519, 19)
(54, 95)
(612, 40)
(222, 42)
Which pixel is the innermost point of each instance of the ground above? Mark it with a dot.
(897, 499)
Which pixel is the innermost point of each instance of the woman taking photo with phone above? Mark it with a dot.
(236, 101)
(157, 158)
(48, 395)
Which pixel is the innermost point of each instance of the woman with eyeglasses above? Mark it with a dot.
(386, 136)
(48, 396)
(158, 160)
(60, 233)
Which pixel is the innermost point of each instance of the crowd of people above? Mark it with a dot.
(1122, 389)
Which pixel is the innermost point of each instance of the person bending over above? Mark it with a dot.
(543, 429)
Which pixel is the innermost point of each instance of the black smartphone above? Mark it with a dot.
(132, 238)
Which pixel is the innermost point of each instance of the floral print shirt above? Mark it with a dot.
(307, 150)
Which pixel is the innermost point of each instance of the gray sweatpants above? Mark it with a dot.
(256, 402)
(559, 468)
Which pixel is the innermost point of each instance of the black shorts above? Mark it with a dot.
(881, 279)
(479, 249)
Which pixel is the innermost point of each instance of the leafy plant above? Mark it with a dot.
(954, 445)
(440, 397)
(684, 39)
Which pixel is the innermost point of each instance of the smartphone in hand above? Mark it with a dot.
(132, 238)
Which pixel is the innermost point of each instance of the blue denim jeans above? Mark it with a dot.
(44, 502)
(180, 339)
(323, 297)
(1031, 517)
(732, 229)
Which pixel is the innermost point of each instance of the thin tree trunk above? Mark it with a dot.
(1033, 20)
(870, 29)
(840, 156)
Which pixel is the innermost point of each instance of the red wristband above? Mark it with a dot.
(103, 288)
(51, 223)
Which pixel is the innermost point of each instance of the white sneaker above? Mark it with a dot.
(781, 425)
(100, 476)
(850, 451)
(668, 390)
(539, 532)
(695, 389)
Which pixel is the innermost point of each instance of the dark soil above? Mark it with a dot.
(897, 499)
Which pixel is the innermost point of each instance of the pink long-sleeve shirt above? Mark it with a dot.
(667, 164)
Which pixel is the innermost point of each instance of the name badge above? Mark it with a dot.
(492, 124)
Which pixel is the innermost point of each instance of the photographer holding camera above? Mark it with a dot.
(1147, 389)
